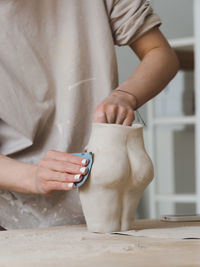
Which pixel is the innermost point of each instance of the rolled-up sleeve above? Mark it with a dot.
(130, 19)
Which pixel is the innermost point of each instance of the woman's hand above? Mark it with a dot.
(58, 171)
(117, 108)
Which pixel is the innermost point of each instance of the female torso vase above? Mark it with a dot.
(120, 173)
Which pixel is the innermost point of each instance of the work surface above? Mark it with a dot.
(74, 246)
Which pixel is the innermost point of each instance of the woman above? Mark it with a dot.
(58, 69)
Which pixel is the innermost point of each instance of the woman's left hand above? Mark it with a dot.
(117, 108)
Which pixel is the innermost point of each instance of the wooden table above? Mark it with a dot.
(74, 246)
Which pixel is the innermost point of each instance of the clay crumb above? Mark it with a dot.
(129, 248)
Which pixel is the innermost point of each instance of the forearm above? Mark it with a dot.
(154, 72)
(16, 176)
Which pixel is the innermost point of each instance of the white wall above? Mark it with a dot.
(177, 17)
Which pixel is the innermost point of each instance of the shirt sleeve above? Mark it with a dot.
(130, 19)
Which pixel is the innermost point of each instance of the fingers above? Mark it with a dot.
(53, 185)
(100, 115)
(49, 175)
(63, 166)
(125, 116)
(48, 181)
(116, 114)
(67, 157)
(129, 118)
(115, 108)
(111, 113)
(121, 115)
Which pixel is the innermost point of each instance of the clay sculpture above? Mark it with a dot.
(121, 171)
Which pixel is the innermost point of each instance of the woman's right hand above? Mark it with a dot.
(58, 171)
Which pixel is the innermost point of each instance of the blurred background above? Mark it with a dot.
(172, 134)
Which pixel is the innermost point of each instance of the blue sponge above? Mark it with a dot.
(89, 156)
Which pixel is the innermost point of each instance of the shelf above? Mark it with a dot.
(186, 59)
(183, 43)
(188, 52)
(175, 120)
(182, 198)
(184, 49)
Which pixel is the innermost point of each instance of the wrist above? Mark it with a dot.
(28, 179)
(16, 176)
(24, 179)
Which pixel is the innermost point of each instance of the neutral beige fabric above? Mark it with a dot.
(57, 62)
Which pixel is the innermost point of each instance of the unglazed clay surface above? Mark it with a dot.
(120, 173)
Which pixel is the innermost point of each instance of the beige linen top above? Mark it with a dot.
(57, 62)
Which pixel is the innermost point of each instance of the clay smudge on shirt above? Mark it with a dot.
(80, 82)
(60, 126)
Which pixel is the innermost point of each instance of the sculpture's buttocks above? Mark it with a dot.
(120, 173)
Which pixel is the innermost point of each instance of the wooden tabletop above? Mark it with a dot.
(74, 246)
